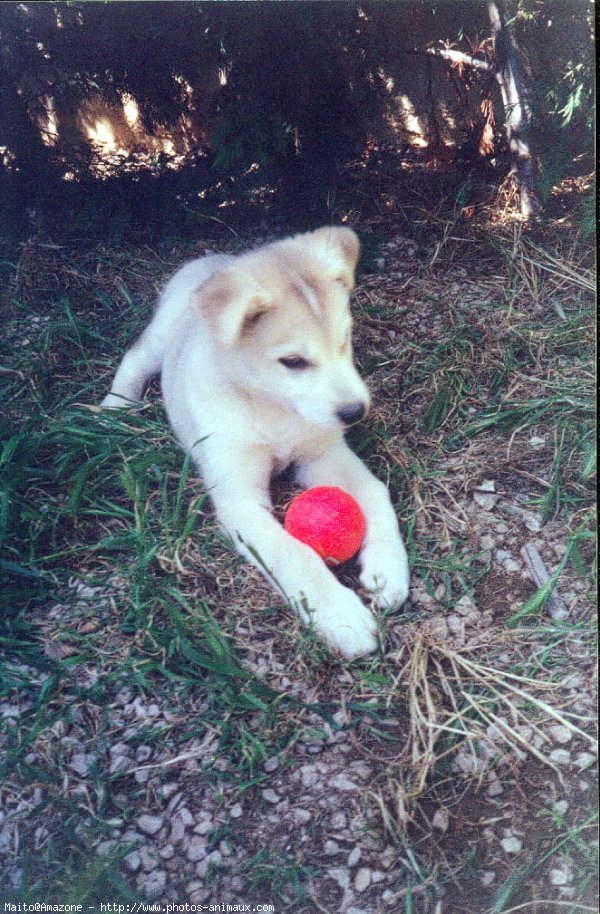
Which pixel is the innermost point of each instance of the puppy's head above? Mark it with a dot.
(281, 316)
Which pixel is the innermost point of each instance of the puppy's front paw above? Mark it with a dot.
(385, 573)
(346, 625)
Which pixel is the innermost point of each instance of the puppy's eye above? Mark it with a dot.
(295, 363)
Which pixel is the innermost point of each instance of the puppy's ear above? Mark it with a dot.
(338, 249)
(231, 303)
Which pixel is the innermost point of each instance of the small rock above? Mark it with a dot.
(485, 500)
(119, 764)
(177, 831)
(495, 789)
(236, 811)
(455, 624)
(119, 749)
(488, 485)
(81, 763)
(270, 796)
(388, 857)
(340, 875)
(532, 521)
(560, 757)
(148, 858)
(338, 821)
(204, 824)
(309, 775)
(487, 877)
(560, 733)
(301, 816)
(167, 790)
(342, 782)
(133, 861)
(271, 764)
(195, 849)
(441, 819)
(174, 801)
(105, 848)
(185, 815)
(362, 880)
(153, 884)
(465, 606)
(512, 845)
(354, 856)
(331, 848)
(150, 825)
(561, 875)
(585, 760)
(143, 753)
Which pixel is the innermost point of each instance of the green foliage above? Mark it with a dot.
(249, 136)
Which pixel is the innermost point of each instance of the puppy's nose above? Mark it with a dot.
(350, 413)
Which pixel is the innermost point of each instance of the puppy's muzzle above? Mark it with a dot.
(351, 413)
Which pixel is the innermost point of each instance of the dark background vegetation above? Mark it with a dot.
(254, 110)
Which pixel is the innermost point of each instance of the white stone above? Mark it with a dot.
(331, 848)
(338, 821)
(465, 606)
(81, 763)
(362, 880)
(342, 782)
(150, 825)
(561, 875)
(485, 500)
(153, 884)
(196, 848)
(340, 875)
(441, 819)
(133, 861)
(512, 845)
(148, 858)
(354, 856)
(560, 733)
(301, 816)
(309, 775)
(560, 757)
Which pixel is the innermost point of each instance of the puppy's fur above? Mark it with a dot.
(255, 355)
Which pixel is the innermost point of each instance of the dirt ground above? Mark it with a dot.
(453, 772)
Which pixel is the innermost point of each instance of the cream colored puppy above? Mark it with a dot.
(255, 354)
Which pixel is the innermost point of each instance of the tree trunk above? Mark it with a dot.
(516, 111)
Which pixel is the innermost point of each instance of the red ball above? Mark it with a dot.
(329, 521)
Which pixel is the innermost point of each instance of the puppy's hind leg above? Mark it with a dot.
(139, 364)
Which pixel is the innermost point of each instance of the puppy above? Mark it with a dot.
(255, 355)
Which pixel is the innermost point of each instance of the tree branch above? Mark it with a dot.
(458, 57)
